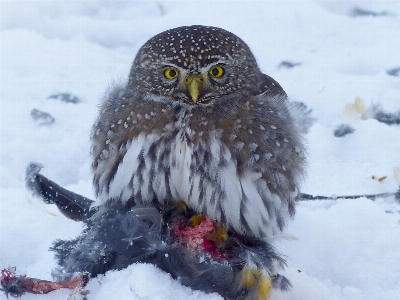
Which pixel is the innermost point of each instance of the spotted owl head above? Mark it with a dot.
(195, 65)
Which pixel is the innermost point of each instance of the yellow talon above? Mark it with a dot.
(254, 278)
(219, 236)
(196, 220)
(222, 235)
(264, 287)
(248, 277)
(181, 206)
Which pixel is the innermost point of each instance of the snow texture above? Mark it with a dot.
(338, 51)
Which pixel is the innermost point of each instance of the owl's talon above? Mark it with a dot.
(264, 286)
(219, 236)
(255, 279)
(181, 206)
(196, 220)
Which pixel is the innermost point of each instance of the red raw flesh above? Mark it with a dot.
(195, 238)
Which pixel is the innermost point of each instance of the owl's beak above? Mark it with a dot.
(194, 84)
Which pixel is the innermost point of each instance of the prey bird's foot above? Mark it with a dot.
(17, 285)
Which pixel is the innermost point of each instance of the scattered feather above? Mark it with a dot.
(343, 130)
(361, 12)
(65, 97)
(354, 111)
(288, 64)
(394, 72)
(41, 117)
(385, 117)
(396, 172)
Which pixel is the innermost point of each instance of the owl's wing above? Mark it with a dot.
(301, 114)
(299, 111)
(270, 85)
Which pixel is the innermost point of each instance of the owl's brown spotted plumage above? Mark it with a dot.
(198, 122)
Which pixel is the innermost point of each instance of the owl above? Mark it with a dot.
(198, 122)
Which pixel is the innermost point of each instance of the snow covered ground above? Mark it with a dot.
(344, 249)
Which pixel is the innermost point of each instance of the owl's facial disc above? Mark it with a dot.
(192, 87)
(189, 84)
(195, 87)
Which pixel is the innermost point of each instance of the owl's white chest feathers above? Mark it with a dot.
(204, 177)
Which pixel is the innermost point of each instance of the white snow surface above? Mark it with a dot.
(343, 249)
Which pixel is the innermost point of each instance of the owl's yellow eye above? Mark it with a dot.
(171, 73)
(217, 71)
